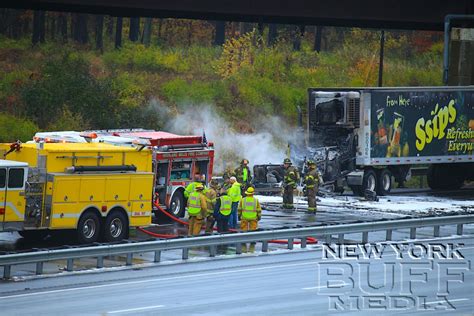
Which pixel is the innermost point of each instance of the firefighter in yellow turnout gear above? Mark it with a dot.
(250, 212)
(290, 181)
(311, 181)
(211, 196)
(197, 210)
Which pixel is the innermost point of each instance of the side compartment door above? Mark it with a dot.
(3, 196)
(15, 201)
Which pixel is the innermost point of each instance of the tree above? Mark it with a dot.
(41, 26)
(82, 33)
(63, 26)
(147, 31)
(118, 33)
(99, 29)
(110, 27)
(134, 29)
(298, 34)
(272, 34)
(36, 28)
(219, 37)
(318, 36)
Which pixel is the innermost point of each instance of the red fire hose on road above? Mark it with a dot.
(309, 240)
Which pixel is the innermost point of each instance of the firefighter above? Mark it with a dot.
(250, 212)
(222, 210)
(192, 185)
(242, 173)
(235, 194)
(290, 181)
(211, 196)
(197, 209)
(311, 181)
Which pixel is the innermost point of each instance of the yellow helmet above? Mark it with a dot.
(250, 191)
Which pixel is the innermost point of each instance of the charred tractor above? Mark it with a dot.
(366, 137)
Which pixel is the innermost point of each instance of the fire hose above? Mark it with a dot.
(309, 240)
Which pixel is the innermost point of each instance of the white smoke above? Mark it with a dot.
(268, 145)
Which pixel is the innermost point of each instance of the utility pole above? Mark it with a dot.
(382, 44)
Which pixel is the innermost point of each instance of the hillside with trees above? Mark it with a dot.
(63, 71)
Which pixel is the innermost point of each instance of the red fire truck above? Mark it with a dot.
(176, 158)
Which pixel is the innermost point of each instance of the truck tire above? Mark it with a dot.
(369, 182)
(384, 181)
(116, 227)
(88, 228)
(432, 177)
(34, 235)
(445, 177)
(177, 205)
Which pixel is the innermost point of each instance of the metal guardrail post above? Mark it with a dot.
(157, 256)
(388, 235)
(290, 243)
(413, 233)
(70, 265)
(459, 229)
(365, 237)
(39, 268)
(212, 251)
(303, 242)
(185, 253)
(264, 246)
(7, 272)
(436, 231)
(340, 239)
(100, 262)
(129, 259)
(238, 248)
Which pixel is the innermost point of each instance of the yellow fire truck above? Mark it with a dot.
(98, 190)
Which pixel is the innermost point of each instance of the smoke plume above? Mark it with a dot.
(268, 145)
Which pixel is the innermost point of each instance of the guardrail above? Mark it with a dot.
(211, 241)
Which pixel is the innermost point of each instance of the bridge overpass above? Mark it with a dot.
(387, 14)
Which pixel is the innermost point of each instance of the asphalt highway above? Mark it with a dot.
(297, 282)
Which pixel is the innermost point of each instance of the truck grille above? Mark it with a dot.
(353, 112)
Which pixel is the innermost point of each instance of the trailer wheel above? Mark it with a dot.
(384, 183)
(369, 182)
(177, 204)
(88, 228)
(116, 227)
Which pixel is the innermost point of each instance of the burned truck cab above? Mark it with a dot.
(332, 123)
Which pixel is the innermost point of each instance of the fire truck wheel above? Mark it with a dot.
(384, 183)
(88, 228)
(177, 204)
(116, 227)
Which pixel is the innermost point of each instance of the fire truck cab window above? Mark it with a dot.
(15, 178)
(3, 177)
(181, 170)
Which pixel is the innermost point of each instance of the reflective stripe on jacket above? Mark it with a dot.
(249, 207)
(194, 203)
(226, 205)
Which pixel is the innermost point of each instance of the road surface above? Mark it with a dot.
(273, 284)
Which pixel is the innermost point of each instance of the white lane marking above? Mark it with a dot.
(447, 299)
(160, 279)
(135, 309)
(321, 286)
